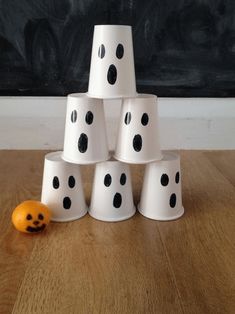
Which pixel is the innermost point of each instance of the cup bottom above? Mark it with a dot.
(102, 96)
(162, 218)
(70, 218)
(146, 161)
(105, 219)
(84, 162)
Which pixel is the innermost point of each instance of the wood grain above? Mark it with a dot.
(20, 176)
(136, 266)
(224, 162)
(201, 246)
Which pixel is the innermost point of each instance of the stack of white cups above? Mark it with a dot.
(112, 75)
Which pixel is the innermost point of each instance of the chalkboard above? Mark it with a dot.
(182, 48)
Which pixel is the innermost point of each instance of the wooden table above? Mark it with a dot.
(136, 266)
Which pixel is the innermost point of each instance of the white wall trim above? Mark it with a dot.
(185, 123)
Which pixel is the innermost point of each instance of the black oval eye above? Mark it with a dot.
(74, 116)
(101, 51)
(40, 216)
(120, 51)
(89, 117)
(177, 177)
(128, 118)
(56, 183)
(71, 182)
(123, 179)
(145, 119)
(29, 217)
(107, 180)
(164, 179)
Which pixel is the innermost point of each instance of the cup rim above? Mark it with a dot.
(84, 95)
(65, 158)
(117, 96)
(67, 219)
(169, 155)
(113, 25)
(176, 216)
(54, 156)
(93, 214)
(112, 162)
(140, 161)
(142, 96)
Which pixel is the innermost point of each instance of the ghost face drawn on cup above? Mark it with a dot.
(165, 182)
(161, 197)
(85, 139)
(66, 201)
(112, 198)
(112, 71)
(62, 189)
(137, 141)
(138, 134)
(117, 197)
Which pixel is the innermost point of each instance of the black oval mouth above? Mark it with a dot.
(67, 202)
(36, 229)
(112, 74)
(83, 143)
(117, 200)
(137, 143)
(173, 200)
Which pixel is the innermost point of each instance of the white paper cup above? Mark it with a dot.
(161, 193)
(85, 140)
(62, 189)
(112, 198)
(112, 72)
(138, 135)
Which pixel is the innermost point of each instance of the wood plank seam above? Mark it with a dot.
(171, 269)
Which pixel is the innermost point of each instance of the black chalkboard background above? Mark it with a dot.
(182, 48)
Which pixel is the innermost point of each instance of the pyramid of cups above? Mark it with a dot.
(112, 76)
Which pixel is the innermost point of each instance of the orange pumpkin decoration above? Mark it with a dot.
(31, 217)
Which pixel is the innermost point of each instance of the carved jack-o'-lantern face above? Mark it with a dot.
(31, 216)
